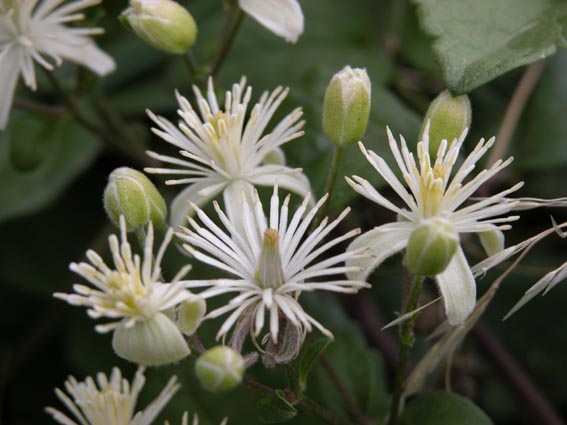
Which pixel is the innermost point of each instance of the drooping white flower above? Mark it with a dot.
(273, 261)
(135, 297)
(433, 195)
(34, 30)
(225, 152)
(282, 17)
(109, 400)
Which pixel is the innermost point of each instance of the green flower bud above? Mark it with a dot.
(190, 314)
(163, 24)
(131, 194)
(152, 342)
(448, 116)
(431, 247)
(220, 369)
(346, 106)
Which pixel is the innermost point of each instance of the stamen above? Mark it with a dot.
(270, 272)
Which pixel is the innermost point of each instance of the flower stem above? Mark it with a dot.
(338, 154)
(412, 291)
(191, 66)
(232, 25)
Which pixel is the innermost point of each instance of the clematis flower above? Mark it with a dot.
(112, 401)
(226, 153)
(282, 17)
(134, 297)
(434, 197)
(272, 262)
(34, 30)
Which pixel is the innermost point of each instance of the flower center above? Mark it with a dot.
(432, 182)
(270, 272)
(127, 289)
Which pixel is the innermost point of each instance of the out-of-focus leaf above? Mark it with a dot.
(275, 410)
(31, 141)
(442, 408)
(308, 357)
(541, 137)
(360, 368)
(71, 150)
(476, 43)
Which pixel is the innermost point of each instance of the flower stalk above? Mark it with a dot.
(412, 291)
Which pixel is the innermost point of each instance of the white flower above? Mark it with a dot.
(31, 30)
(133, 295)
(225, 153)
(282, 17)
(112, 401)
(272, 261)
(433, 195)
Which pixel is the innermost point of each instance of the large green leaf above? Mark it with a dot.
(442, 408)
(36, 181)
(476, 42)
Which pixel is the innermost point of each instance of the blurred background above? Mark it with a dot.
(52, 177)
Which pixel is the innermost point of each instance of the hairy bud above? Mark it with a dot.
(448, 116)
(163, 24)
(220, 369)
(431, 247)
(346, 106)
(131, 194)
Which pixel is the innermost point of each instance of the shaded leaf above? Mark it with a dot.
(71, 150)
(275, 410)
(307, 358)
(443, 408)
(474, 45)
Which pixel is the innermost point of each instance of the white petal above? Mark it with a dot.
(86, 54)
(458, 288)
(380, 243)
(234, 195)
(282, 17)
(286, 178)
(180, 207)
(9, 73)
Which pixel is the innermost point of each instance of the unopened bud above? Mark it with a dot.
(131, 194)
(152, 342)
(347, 106)
(431, 247)
(190, 314)
(448, 116)
(163, 24)
(220, 369)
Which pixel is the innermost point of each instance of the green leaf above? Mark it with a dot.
(71, 150)
(275, 410)
(307, 358)
(443, 408)
(474, 45)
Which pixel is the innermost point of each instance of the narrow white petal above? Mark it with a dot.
(180, 207)
(282, 17)
(380, 243)
(458, 288)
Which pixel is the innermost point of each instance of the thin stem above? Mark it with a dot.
(231, 28)
(120, 127)
(336, 379)
(338, 154)
(515, 376)
(74, 107)
(412, 291)
(40, 108)
(191, 65)
(514, 111)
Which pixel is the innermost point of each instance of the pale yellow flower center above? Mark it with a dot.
(127, 289)
(432, 181)
(270, 273)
